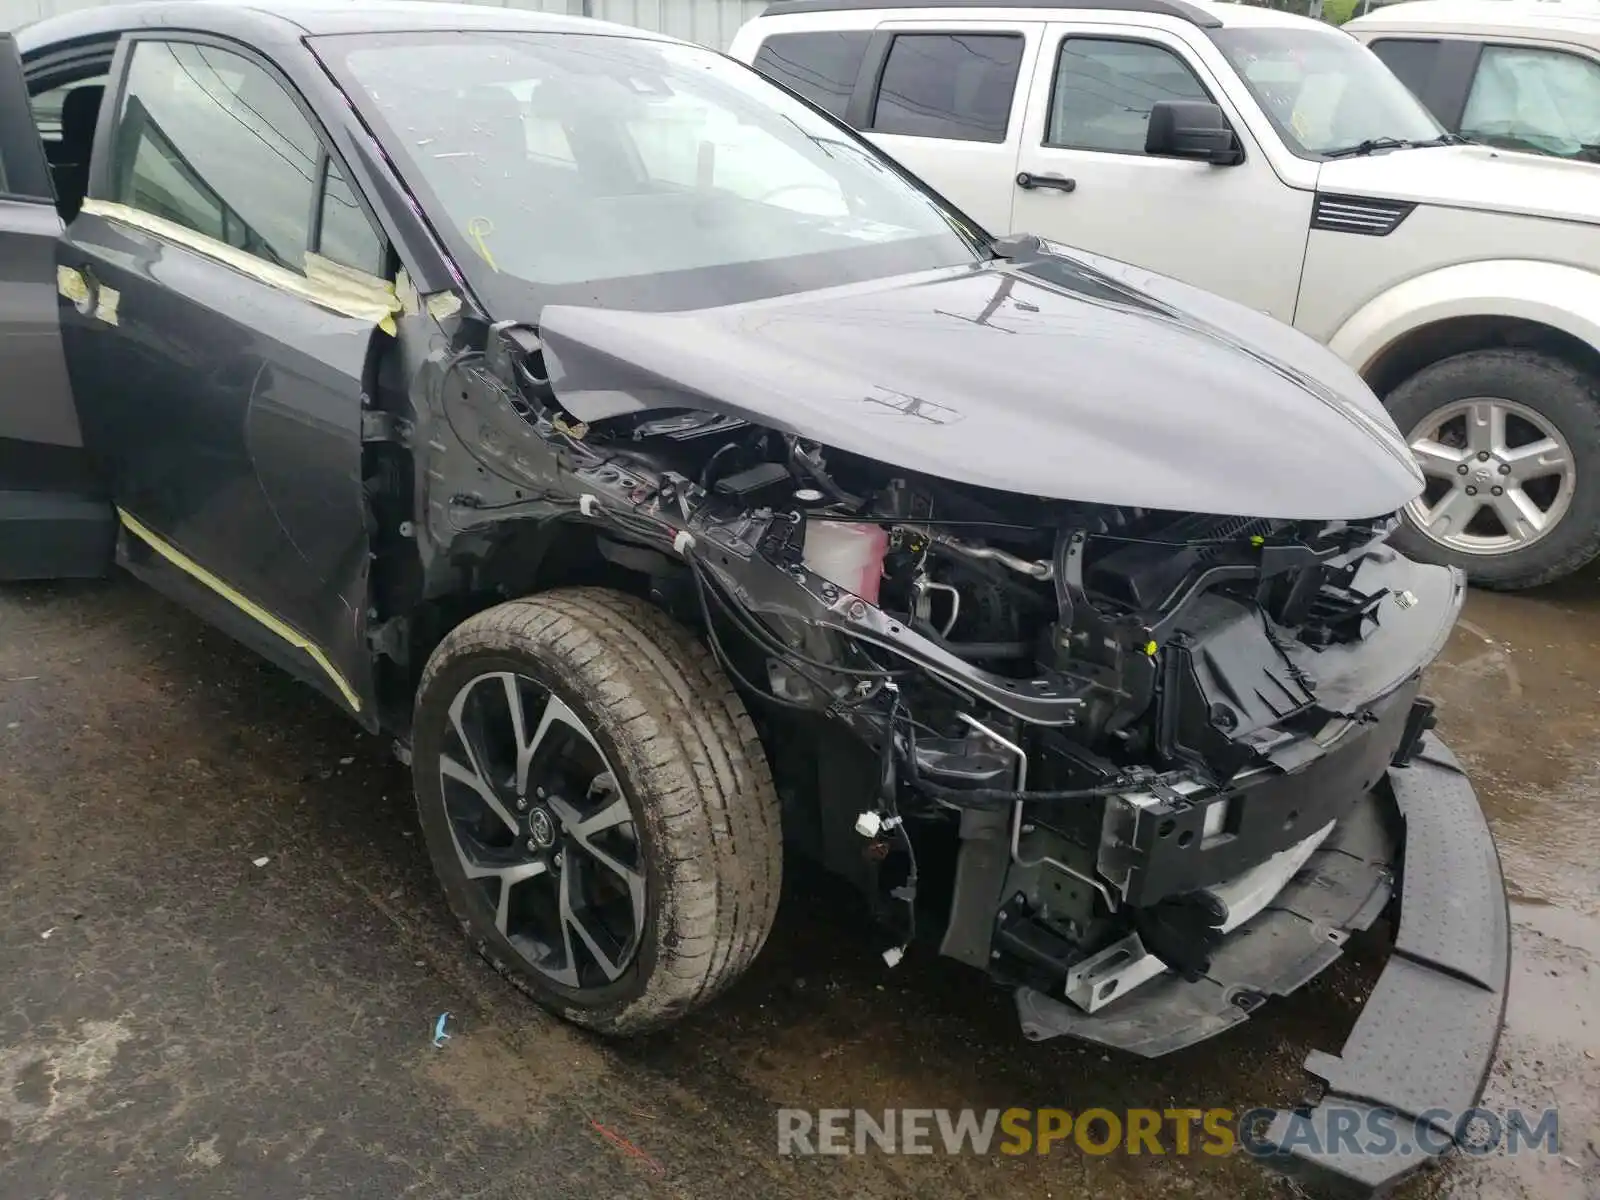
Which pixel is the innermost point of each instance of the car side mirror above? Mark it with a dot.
(1192, 129)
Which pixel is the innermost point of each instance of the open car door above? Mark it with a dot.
(55, 522)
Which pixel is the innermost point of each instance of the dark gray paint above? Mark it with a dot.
(54, 522)
(1045, 378)
(234, 411)
(38, 400)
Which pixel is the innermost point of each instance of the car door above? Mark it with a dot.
(1084, 178)
(223, 307)
(945, 99)
(54, 518)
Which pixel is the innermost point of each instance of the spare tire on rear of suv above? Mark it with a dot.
(1509, 441)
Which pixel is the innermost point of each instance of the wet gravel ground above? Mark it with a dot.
(178, 1021)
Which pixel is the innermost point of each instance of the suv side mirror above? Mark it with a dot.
(1191, 129)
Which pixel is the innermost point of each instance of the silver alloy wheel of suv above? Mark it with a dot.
(1499, 475)
(1508, 441)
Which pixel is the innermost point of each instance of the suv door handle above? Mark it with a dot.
(1060, 182)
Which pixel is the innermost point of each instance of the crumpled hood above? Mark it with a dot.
(1055, 377)
(1474, 177)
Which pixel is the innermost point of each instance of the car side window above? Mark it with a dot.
(347, 237)
(1524, 98)
(957, 86)
(1411, 59)
(1104, 89)
(212, 142)
(822, 66)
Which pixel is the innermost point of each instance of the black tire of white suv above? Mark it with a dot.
(1537, 394)
(598, 806)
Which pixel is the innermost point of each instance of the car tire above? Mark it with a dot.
(1545, 396)
(693, 847)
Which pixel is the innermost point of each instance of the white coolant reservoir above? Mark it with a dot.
(848, 555)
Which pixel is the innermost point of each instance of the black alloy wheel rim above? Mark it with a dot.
(543, 830)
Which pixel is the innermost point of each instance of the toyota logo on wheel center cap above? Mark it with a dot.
(541, 828)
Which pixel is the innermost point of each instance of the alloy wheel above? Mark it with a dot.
(1499, 476)
(542, 827)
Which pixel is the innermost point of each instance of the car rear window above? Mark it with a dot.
(949, 85)
(822, 67)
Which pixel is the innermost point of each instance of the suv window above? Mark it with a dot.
(1529, 99)
(210, 141)
(949, 85)
(1105, 87)
(822, 67)
(1411, 59)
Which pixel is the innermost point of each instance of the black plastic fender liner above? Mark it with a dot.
(1425, 1040)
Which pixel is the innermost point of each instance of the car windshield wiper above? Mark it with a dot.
(1393, 143)
(1360, 149)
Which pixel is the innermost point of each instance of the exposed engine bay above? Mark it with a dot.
(1078, 744)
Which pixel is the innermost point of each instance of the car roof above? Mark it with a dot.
(1562, 17)
(294, 19)
(1252, 16)
(1203, 13)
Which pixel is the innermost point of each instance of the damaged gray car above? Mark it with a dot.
(678, 481)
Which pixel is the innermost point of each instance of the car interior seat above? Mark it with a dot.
(69, 165)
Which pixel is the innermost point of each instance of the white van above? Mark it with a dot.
(1277, 161)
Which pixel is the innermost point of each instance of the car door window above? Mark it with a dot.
(957, 86)
(822, 66)
(1411, 59)
(1104, 89)
(1533, 99)
(347, 236)
(210, 141)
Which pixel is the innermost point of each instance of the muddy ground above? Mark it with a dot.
(177, 1021)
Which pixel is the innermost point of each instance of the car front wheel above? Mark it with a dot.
(1509, 444)
(597, 806)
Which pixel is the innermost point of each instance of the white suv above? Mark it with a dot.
(1276, 161)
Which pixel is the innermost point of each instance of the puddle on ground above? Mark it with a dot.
(1519, 690)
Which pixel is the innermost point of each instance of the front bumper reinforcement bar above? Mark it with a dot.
(1425, 1039)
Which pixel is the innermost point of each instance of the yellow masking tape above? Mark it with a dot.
(326, 284)
(189, 567)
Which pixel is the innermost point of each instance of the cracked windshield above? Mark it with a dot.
(635, 173)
